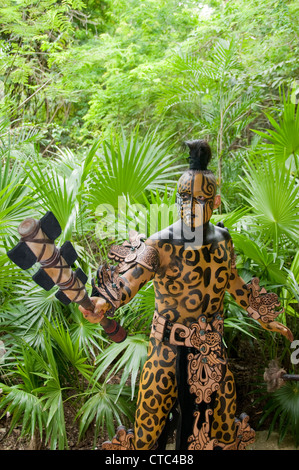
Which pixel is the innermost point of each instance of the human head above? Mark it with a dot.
(197, 186)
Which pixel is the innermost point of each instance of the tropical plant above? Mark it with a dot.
(16, 203)
(14, 197)
(128, 357)
(281, 142)
(103, 407)
(273, 196)
(136, 316)
(127, 166)
(59, 187)
(224, 108)
(47, 378)
(282, 407)
(155, 211)
(37, 402)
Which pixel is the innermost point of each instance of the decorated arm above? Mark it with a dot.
(114, 286)
(261, 305)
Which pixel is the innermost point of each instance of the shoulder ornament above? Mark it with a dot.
(135, 251)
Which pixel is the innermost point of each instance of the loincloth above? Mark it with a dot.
(206, 364)
(201, 367)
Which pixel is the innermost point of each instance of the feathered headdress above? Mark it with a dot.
(200, 154)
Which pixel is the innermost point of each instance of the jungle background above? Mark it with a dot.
(96, 100)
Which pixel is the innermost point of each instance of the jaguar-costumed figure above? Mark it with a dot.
(191, 264)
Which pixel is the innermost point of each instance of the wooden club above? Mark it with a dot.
(37, 245)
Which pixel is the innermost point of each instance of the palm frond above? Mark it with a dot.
(27, 314)
(51, 396)
(231, 219)
(105, 406)
(69, 349)
(15, 204)
(282, 141)
(282, 408)
(137, 315)
(24, 407)
(9, 273)
(267, 261)
(273, 196)
(128, 166)
(128, 356)
(60, 187)
(89, 336)
(155, 211)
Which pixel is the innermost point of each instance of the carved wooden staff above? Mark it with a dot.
(37, 245)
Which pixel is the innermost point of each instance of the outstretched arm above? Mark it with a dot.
(259, 304)
(115, 286)
(133, 280)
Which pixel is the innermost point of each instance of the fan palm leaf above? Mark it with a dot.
(128, 356)
(24, 407)
(36, 403)
(291, 292)
(27, 314)
(267, 261)
(51, 396)
(57, 194)
(273, 197)
(104, 406)
(15, 204)
(137, 315)
(9, 273)
(231, 219)
(89, 336)
(128, 166)
(283, 409)
(155, 211)
(68, 349)
(282, 141)
(61, 192)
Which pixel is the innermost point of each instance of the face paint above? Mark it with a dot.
(196, 195)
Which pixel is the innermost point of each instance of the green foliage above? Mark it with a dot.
(273, 195)
(128, 357)
(283, 408)
(159, 210)
(24, 407)
(13, 197)
(103, 407)
(128, 166)
(284, 137)
(268, 263)
(38, 407)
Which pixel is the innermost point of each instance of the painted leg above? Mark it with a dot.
(157, 394)
(156, 397)
(230, 432)
(223, 425)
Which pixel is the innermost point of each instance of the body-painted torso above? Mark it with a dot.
(188, 284)
(191, 282)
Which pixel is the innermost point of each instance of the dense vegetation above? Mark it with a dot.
(96, 99)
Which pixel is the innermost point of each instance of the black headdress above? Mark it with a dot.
(200, 154)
